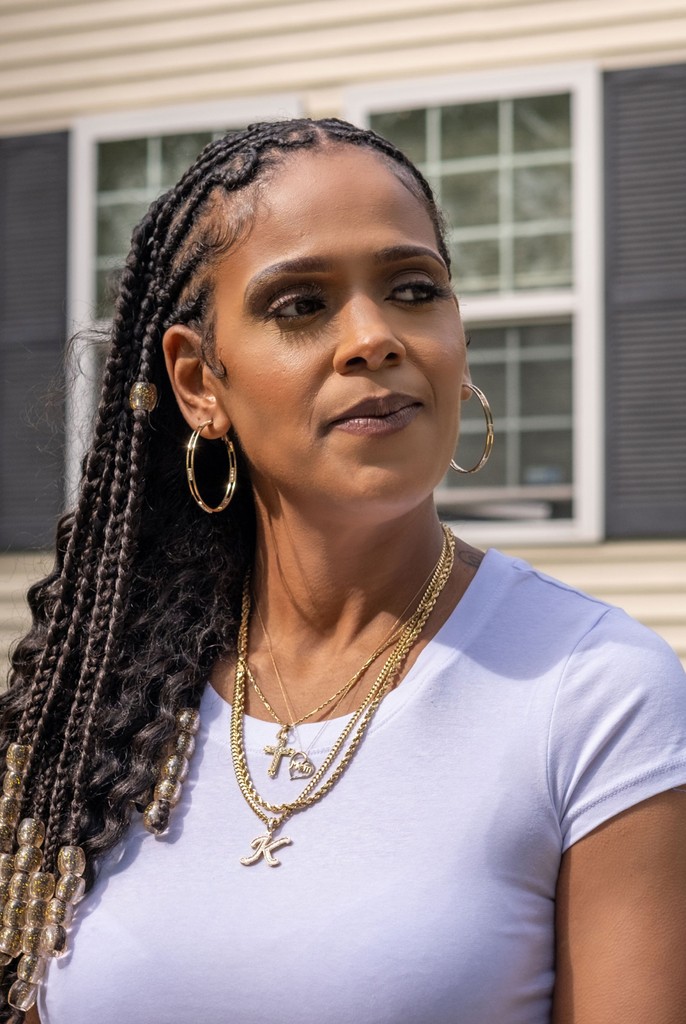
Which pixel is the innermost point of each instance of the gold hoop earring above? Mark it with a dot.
(190, 470)
(488, 445)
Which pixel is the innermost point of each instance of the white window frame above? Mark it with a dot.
(582, 303)
(87, 133)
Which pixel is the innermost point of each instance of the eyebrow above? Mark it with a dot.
(317, 264)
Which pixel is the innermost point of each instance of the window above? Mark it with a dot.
(513, 160)
(131, 173)
(120, 164)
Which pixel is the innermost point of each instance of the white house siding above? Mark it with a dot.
(60, 61)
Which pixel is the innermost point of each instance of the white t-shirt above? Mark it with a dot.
(421, 888)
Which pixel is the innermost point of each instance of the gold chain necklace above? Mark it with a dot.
(300, 764)
(340, 755)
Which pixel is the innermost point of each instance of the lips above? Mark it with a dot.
(377, 415)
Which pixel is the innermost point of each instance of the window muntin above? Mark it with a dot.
(502, 172)
(525, 370)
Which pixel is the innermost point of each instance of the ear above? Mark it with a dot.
(195, 386)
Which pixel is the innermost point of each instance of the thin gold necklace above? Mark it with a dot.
(340, 755)
(300, 764)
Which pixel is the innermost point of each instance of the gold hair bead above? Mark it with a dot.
(12, 783)
(10, 941)
(143, 396)
(188, 720)
(31, 968)
(22, 995)
(172, 772)
(71, 860)
(59, 912)
(31, 832)
(41, 885)
(30, 938)
(185, 744)
(28, 858)
(9, 810)
(36, 911)
(53, 941)
(19, 886)
(70, 888)
(17, 756)
(6, 866)
(14, 914)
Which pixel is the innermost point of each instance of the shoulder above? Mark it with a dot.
(589, 625)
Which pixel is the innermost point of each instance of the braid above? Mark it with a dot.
(127, 626)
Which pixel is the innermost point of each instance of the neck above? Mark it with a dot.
(313, 581)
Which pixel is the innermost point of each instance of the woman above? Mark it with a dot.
(466, 774)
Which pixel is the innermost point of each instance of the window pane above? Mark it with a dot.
(536, 335)
(543, 261)
(486, 339)
(468, 452)
(490, 378)
(178, 153)
(116, 221)
(469, 130)
(546, 457)
(407, 129)
(542, 122)
(476, 266)
(470, 199)
(546, 387)
(541, 193)
(122, 165)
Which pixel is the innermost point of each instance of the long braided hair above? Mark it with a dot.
(145, 593)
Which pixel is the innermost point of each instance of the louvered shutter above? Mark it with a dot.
(645, 192)
(33, 256)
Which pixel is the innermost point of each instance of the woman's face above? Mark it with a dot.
(341, 339)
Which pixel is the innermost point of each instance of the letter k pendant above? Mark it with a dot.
(264, 846)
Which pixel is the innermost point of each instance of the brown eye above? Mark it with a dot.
(294, 306)
(417, 292)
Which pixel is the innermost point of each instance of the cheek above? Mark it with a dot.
(269, 393)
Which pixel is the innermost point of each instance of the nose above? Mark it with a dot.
(367, 339)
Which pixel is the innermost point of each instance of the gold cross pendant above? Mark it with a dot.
(279, 750)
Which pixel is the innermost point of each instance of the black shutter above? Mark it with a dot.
(33, 257)
(645, 203)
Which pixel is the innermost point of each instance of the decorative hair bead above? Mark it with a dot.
(22, 995)
(9, 810)
(172, 772)
(42, 885)
(188, 720)
(71, 860)
(143, 396)
(31, 832)
(10, 941)
(44, 934)
(17, 756)
(12, 783)
(6, 837)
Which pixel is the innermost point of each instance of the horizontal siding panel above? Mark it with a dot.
(109, 56)
(131, 87)
(28, 20)
(133, 33)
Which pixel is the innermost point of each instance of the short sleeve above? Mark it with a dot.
(618, 725)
